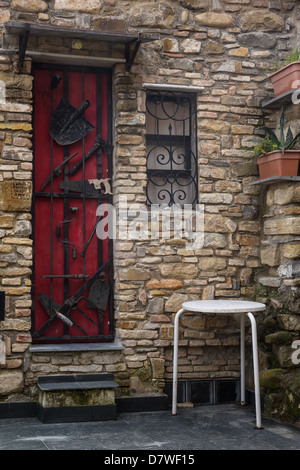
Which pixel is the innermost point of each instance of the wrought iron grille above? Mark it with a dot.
(171, 148)
(73, 272)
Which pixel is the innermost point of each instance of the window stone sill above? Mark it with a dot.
(73, 347)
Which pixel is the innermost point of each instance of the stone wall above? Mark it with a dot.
(224, 47)
(278, 286)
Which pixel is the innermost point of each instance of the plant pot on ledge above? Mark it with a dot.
(284, 80)
(277, 163)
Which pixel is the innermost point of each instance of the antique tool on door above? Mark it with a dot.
(57, 171)
(99, 184)
(79, 187)
(91, 188)
(68, 125)
(71, 303)
(55, 81)
(74, 211)
(98, 295)
(52, 309)
(54, 312)
(99, 143)
(91, 237)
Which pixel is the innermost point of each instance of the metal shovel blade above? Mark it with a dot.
(68, 125)
(98, 295)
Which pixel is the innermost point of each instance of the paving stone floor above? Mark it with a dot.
(213, 427)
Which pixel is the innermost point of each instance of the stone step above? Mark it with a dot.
(76, 382)
(76, 397)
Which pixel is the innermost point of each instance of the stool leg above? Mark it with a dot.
(242, 346)
(256, 370)
(175, 361)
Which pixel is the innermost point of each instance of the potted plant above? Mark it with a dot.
(277, 157)
(286, 74)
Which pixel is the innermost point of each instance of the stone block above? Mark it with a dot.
(195, 322)
(280, 337)
(214, 240)
(6, 221)
(164, 284)
(29, 5)
(231, 66)
(213, 47)
(4, 16)
(289, 322)
(110, 24)
(16, 154)
(19, 81)
(213, 172)
(217, 223)
(134, 275)
(240, 52)
(248, 240)
(88, 6)
(191, 46)
(175, 302)
(194, 4)
(158, 367)
(270, 255)
(284, 226)
(245, 276)
(10, 382)
(214, 126)
(261, 20)
(215, 198)
(156, 306)
(215, 20)
(283, 354)
(270, 281)
(167, 332)
(257, 40)
(291, 269)
(208, 293)
(212, 263)
(290, 250)
(157, 16)
(179, 270)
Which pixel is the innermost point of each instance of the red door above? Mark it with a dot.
(72, 282)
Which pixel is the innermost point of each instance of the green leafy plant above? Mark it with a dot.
(271, 142)
(263, 146)
(294, 56)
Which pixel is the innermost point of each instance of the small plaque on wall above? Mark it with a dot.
(15, 195)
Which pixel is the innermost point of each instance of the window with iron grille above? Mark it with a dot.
(171, 147)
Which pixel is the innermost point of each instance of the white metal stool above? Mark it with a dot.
(224, 306)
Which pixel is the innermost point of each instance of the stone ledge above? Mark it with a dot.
(76, 382)
(276, 179)
(72, 347)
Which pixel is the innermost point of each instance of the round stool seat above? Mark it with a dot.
(223, 306)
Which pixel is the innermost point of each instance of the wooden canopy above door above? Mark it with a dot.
(24, 30)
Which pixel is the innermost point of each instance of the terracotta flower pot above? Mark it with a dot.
(283, 79)
(278, 164)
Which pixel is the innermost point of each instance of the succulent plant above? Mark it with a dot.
(271, 142)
